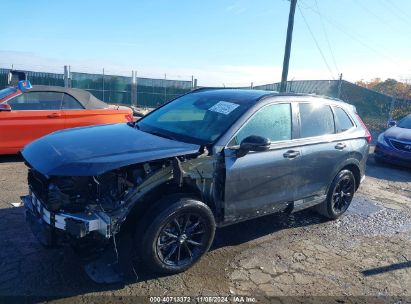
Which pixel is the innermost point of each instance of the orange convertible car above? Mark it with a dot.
(29, 112)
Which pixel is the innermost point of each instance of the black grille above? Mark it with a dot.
(38, 184)
(401, 145)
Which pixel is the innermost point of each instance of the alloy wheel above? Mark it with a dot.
(182, 240)
(343, 194)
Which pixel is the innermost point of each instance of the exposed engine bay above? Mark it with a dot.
(88, 204)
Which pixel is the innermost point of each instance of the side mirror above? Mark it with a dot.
(392, 123)
(5, 107)
(253, 143)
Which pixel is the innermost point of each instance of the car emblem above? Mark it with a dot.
(408, 147)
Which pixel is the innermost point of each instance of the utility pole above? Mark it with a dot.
(288, 46)
(66, 76)
(339, 86)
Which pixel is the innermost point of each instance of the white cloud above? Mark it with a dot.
(207, 75)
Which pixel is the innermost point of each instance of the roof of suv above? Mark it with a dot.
(253, 96)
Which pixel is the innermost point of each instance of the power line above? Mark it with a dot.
(365, 8)
(349, 34)
(383, 20)
(379, 18)
(394, 5)
(316, 42)
(391, 7)
(327, 39)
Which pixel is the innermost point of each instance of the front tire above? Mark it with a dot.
(339, 196)
(180, 232)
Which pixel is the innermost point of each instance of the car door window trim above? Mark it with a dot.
(233, 147)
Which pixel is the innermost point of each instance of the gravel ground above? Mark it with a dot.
(367, 252)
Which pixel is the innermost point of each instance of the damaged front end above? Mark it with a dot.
(71, 208)
(85, 194)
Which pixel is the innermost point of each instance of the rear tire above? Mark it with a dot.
(339, 196)
(177, 234)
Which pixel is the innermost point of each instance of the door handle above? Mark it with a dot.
(340, 146)
(290, 154)
(54, 115)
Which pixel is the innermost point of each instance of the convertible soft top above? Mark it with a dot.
(87, 100)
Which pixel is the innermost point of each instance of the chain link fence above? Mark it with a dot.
(113, 89)
(40, 78)
(109, 88)
(155, 92)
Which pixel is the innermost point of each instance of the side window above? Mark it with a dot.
(36, 101)
(316, 120)
(273, 122)
(70, 103)
(342, 120)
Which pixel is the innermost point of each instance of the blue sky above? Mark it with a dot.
(230, 42)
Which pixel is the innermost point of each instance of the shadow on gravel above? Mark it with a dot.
(386, 171)
(249, 230)
(392, 267)
(11, 158)
(31, 271)
(28, 269)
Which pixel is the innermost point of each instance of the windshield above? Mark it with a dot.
(405, 123)
(196, 117)
(6, 92)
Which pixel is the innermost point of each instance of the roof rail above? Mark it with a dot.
(210, 88)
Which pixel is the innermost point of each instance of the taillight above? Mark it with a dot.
(368, 136)
(129, 117)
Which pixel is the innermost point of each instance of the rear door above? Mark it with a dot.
(262, 182)
(323, 146)
(32, 115)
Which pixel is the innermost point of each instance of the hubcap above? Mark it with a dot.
(181, 240)
(343, 194)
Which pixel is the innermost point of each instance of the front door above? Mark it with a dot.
(261, 182)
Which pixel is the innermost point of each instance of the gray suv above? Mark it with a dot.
(207, 159)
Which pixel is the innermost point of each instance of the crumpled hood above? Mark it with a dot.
(94, 150)
(398, 133)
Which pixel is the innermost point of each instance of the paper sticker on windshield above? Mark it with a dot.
(224, 107)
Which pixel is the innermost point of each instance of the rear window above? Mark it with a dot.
(316, 120)
(342, 120)
(70, 103)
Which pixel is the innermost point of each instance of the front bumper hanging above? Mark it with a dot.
(45, 224)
